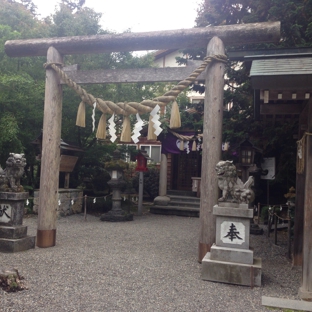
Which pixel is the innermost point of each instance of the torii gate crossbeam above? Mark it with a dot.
(156, 40)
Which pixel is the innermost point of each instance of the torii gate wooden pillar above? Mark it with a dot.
(211, 151)
(50, 158)
(171, 39)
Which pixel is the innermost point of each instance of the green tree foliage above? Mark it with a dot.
(275, 139)
(294, 15)
(9, 139)
(22, 84)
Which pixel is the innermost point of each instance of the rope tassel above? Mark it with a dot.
(126, 130)
(194, 146)
(181, 145)
(175, 119)
(81, 115)
(101, 130)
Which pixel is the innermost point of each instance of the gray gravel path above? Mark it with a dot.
(149, 264)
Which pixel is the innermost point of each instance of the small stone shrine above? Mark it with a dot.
(230, 259)
(13, 234)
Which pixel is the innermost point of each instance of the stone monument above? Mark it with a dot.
(13, 234)
(230, 259)
(115, 168)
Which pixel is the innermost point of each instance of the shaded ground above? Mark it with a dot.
(149, 264)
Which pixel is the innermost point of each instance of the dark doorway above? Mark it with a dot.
(185, 166)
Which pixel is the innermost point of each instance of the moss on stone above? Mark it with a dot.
(116, 165)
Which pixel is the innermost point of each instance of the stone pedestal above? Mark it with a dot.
(13, 235)
(231, 260)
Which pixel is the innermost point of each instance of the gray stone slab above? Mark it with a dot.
(162, 200)
(231, 273)
(232, 232)
(232, 205)
(71, 201)
(14, 196)
(233, 212)
(13, 231)
(15, 245)
(227, 254)
(286, 303)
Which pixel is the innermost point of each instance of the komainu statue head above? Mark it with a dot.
(233, 189)
(10, 177)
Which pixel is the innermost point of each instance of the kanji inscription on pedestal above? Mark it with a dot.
(5, 213)
(232, 232)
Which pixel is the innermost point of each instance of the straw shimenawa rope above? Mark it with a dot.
(129, 108)
(186, 137)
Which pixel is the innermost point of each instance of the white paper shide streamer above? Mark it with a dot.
(137, 128)
(187, 147)
(111, 128)
(155, 120)
(199, 144)
(93, 117)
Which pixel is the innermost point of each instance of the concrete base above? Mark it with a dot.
(305, 294)
(288, 304)
(232, 273)
(244, 256)
(19, 244)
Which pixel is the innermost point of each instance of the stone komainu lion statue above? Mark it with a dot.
(233, 189)
(10, 177)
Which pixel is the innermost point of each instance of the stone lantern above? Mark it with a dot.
(247, 164)
(246, 153)
(115, 168)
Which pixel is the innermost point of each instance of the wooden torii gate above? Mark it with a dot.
(213, 38)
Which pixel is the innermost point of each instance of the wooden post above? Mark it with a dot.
(163, 175)
(211, 153)
(299, 204)
(140, 202)
(289, 237)
(85, 207)
(66, 181)
(305, 291)
(50, 161)
(275, 228)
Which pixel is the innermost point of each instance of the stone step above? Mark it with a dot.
(184, 199)
(184, 204)
(15, 245)
(13, 231)
(180, 193)
(175, 210)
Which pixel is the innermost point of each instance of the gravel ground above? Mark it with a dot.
(149, 264)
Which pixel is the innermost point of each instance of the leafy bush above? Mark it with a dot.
(150, 182)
